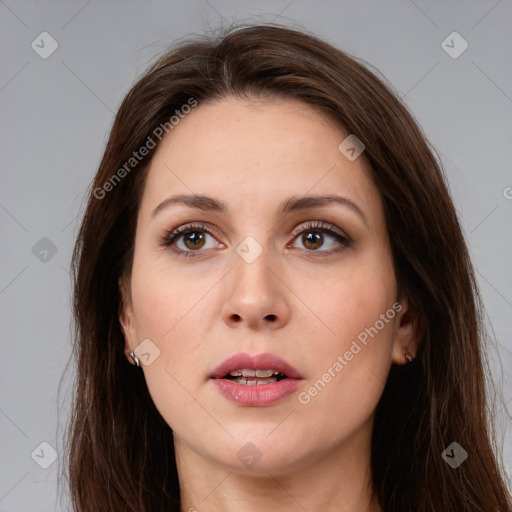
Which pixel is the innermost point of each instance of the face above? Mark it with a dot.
(312, 284)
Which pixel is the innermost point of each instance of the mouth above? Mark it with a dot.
(248, 377)
(256, 381)
(243, 368)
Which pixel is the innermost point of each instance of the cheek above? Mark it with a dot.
(175, 313)
(348, 301)
(351, 359)
(170, 304)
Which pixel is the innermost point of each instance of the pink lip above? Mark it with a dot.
(259, 395)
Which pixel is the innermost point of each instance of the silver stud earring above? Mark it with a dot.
(408, 357)
(135, 358)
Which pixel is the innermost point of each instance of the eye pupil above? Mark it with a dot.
(316, 239)
(197, 239)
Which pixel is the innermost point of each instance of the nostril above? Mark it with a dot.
(271, 317)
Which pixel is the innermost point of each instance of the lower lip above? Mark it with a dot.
(258, 395)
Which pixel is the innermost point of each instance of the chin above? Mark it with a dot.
(255, 452)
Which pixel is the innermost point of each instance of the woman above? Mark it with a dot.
(274, 302)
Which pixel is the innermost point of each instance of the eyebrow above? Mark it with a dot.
(294, 203)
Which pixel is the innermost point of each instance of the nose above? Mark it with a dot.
(256, 295)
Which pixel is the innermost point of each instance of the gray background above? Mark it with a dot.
(55, 117)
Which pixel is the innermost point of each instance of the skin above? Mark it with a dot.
(199, 310)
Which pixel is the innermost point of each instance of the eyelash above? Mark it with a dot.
(314, 226)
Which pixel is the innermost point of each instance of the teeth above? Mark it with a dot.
(253, 373)
(265, 373)
(254, 382)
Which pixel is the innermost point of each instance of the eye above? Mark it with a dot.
(314, 234)
(192, 236)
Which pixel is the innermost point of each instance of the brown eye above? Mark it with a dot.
(321, 237)
(194, 240)
(189, 240)
(312, 239)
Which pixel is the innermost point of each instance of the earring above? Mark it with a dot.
(135, 358)
(408, 357)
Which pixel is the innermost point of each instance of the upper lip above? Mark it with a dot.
(244, 361)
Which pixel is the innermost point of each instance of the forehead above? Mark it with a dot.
(245, 132)
(255, 152)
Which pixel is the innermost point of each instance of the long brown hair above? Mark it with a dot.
(120, 449)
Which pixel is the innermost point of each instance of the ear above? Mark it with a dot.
(126, 318)
(407, 333)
